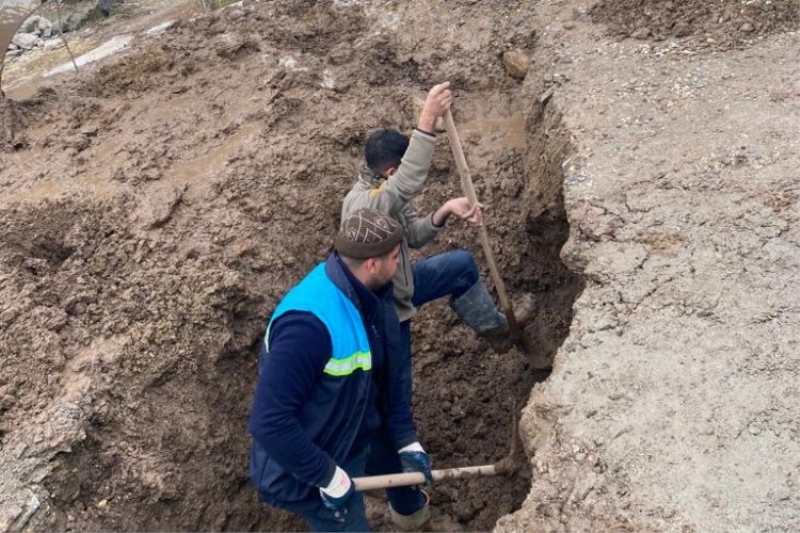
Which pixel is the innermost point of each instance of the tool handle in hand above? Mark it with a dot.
(469, 192)
(417, 478)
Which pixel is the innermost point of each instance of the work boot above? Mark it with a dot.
(524, 307)
(499, 339)
(416, 521)
(476, 308)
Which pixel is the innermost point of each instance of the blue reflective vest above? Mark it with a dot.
(317, 294)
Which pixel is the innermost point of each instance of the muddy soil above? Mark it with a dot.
(156, 207)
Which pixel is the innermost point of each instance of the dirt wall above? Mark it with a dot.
(671, 404)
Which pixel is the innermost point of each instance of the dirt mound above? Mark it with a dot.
(722, 24)
(134, 74)
(673, 403)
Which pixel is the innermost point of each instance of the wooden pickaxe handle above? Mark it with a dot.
(417, 478)
(469, 192)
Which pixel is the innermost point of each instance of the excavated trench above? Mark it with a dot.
(174, 457)
(466, 396)
(149, 294)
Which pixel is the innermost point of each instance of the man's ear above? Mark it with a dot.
(389, 172)
(371, 265)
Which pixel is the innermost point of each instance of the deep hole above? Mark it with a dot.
(466, 398)
(177, 456)
(192, 473)
(555, 286)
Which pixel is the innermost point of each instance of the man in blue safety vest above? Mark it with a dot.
(329, 404)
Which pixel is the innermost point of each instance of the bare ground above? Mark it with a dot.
(154, 210)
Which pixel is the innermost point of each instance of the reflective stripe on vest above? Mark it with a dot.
(343, 367)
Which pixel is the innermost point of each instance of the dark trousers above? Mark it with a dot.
(448, 274)
(376, 459)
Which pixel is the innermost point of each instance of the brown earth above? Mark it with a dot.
(673, 402)
(155, 209)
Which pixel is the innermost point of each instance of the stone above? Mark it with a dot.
(157, 208)
(38, 25)
(746, 27)
(26, 41)
(681, 29)
(75, 20)
(516, 63)
(53, 44)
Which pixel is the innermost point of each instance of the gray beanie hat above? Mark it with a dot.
(367, 233)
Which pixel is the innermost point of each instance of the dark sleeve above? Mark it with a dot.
(299, 348)
(395, 385)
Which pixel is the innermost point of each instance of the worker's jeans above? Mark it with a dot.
(448, 274)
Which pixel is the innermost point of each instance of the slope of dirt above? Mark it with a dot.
(673, 402)
(156, 207)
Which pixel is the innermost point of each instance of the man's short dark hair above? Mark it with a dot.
(385, 149)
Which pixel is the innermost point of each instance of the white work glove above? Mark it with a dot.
(338, 491)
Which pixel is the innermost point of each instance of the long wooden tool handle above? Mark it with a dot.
(417, 478)
(469, 191)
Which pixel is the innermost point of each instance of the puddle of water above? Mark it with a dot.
(512, 129)
(53, 190)
(110, 47)
(196, 172)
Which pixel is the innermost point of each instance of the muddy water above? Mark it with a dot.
(511, 130)
(196, 173)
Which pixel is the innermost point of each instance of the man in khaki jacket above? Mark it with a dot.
(395, 172)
